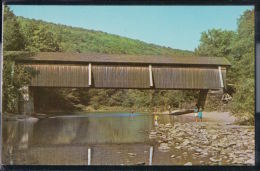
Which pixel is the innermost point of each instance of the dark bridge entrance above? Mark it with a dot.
(126, 71)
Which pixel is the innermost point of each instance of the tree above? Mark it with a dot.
(244, 41)
(40, 38)
(244, 66)
(215, 42)
(13, 39)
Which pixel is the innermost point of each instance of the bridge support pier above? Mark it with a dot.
(26, 101)
(202, 98)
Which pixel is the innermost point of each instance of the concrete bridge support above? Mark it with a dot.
(202, 98)
(26, 101)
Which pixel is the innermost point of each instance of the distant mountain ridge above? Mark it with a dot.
(75, 39)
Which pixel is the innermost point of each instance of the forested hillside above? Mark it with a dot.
(72, 39)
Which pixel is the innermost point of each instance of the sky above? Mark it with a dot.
(178, 27)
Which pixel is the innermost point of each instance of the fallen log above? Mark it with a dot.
(182, 111)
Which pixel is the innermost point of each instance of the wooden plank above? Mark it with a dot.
(116, 76)
(89, 74)
(151, 75)
(185, 77)
(220, 77)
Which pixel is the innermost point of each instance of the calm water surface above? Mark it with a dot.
(64, 139)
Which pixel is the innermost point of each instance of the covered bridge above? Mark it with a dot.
(126, 71)
(55, 69)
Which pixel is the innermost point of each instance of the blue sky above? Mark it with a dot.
(177, 27)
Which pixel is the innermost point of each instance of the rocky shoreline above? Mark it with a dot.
(210, 143)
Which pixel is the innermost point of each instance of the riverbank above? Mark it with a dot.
(221, 117)
(206, 143)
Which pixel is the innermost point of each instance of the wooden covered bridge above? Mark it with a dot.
(55, 69)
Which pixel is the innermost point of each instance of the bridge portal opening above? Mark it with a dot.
(49, 100)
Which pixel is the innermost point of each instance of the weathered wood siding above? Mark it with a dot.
(127, 76)
(55, 75)
(186, 77)
(116, 76)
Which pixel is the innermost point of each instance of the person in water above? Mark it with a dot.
(156, 120)
(132, 113)
(155, 117)
(200, 115)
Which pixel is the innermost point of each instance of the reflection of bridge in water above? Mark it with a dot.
(126, 72)
(65, 139)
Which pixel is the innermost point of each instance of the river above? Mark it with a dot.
(113, 138)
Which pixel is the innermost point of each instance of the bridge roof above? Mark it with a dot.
(64, 57)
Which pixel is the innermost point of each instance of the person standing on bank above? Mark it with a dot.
(169, 109)
(196, 113)
(200, 115)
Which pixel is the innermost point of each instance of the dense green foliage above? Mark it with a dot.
(239, 48)
(40, 38)
(81, 40)
(215, 42)
(13, 38)
(14, 78)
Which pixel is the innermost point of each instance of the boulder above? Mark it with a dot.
(188, 164)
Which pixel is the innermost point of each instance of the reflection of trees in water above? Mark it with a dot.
(82, 130)
(57, 130)
(11, 138)
(26, 133)
(115, 130)
(16, 136)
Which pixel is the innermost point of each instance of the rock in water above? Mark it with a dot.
(172, 156)
(168, 125)
(164, 147)
(188, 164)
(140, 163)
(214, 160)
(152, 134)
(178, 147)
(250, 162)
(186, 142)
